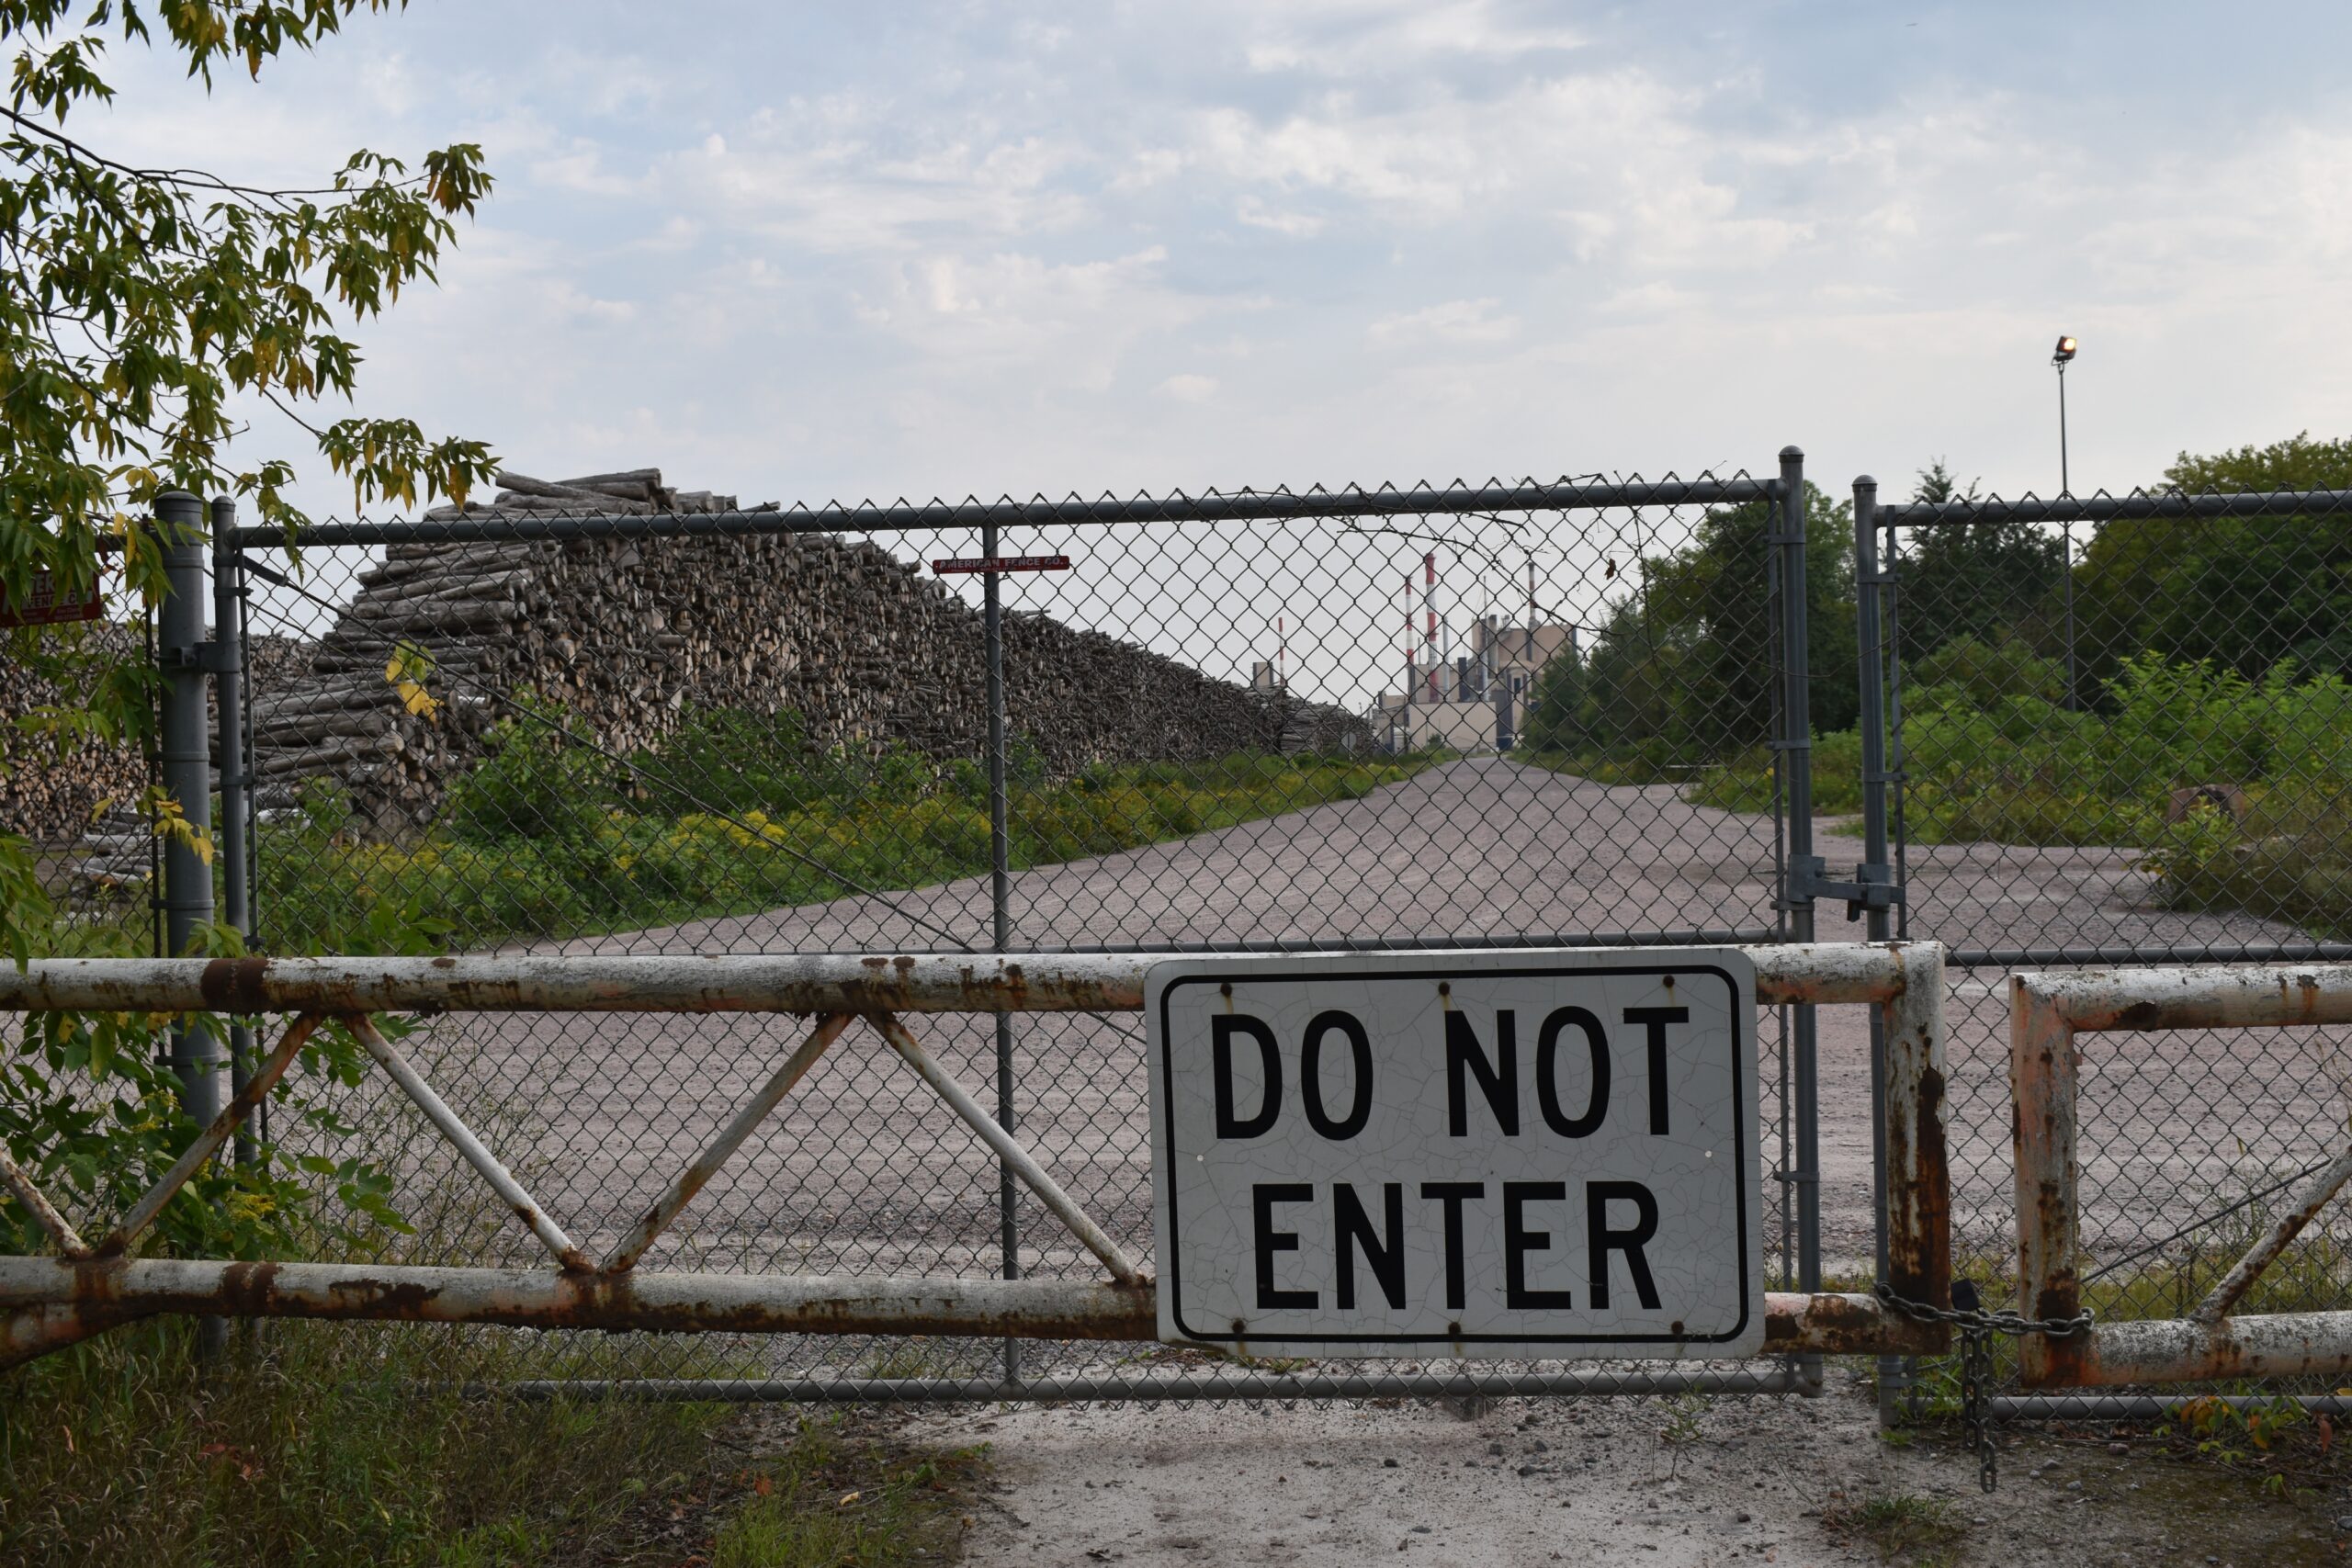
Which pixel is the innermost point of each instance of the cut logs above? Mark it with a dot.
(440, 640)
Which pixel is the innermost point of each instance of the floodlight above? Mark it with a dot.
(2065, 351)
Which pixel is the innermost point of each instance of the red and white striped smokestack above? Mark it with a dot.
(1406, 591)
(1429, 599)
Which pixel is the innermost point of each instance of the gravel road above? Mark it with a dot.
(1806, 1484)
(862, 1170)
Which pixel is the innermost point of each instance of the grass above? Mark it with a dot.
(836, 1498)
(330, 1448)
(542, 840)
(1991, 756)
(1920, 1532)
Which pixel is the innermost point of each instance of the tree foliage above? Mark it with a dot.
(1684, 669)
(1972, 580)
(144, 313)
(2244, 593)
(142, 308)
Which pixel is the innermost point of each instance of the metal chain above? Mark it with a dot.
(1976, 1403)
(1964, 1313)
(1977, 1327)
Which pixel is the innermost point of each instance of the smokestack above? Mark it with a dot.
(1408, 599)
(1531, 611)
(1429, 600)
(1282, 656)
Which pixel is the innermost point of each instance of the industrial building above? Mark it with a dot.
(1472, 702)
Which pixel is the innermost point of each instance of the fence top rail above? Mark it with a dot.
(810, 983)
(2177, 996)
(2114, 508)
(935, 516)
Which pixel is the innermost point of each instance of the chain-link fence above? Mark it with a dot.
(2081, 730)
(2119, 733)
(1515, 714)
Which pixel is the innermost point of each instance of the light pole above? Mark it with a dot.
(2059, 359)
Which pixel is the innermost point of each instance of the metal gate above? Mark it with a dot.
(596, 1281)
(2104, 731)
(1407, 719)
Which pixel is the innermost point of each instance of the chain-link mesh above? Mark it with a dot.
(1497, 716)
(2122, 733)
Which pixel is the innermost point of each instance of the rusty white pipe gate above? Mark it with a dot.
(86, 1287)
(2047, 1011)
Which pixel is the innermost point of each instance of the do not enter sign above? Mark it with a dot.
(1476, 1153)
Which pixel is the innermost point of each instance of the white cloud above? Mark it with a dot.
(1648, 299)
(1258, 215)
(1356, 35)
(954, 248)
(850, 173)
(1456, 320)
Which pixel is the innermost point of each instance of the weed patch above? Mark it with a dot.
(1920, 1532)
(333, 1444)
(737, 816)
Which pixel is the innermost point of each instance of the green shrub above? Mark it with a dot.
(1984, 673)
(736, 814)
(535, 784)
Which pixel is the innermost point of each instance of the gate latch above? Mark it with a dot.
(1872, 888)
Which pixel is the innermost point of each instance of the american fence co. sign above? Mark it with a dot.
(1496, 1154)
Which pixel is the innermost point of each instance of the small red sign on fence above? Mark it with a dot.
(1001, 563)
(43, 607)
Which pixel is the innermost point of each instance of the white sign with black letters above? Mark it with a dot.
(1483, 1154)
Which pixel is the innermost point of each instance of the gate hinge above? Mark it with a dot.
(1873, 886)
(208, 658)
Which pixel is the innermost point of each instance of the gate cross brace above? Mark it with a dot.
(1010, 1150)
(206, 1145)
(695, 1177)
(2241, 1277)
(510, 1190)
(69, 1240)
(461, 1137)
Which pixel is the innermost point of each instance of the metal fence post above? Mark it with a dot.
(1895, 1373)
(1796, 740)
(196, 1053)
(1000, 916)
(235, 849)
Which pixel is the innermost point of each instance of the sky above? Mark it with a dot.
(847, 251)
(833, 252)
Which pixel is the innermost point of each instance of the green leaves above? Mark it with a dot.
(135, 303)
(138, 308)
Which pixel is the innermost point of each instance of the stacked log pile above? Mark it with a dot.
(627, 636)
(53, 798)
(84, 801)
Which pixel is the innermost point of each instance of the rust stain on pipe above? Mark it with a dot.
(2183, 1350)
(1919, 1223)
(1834, 1323)
(235, 984)
(98, 1294)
